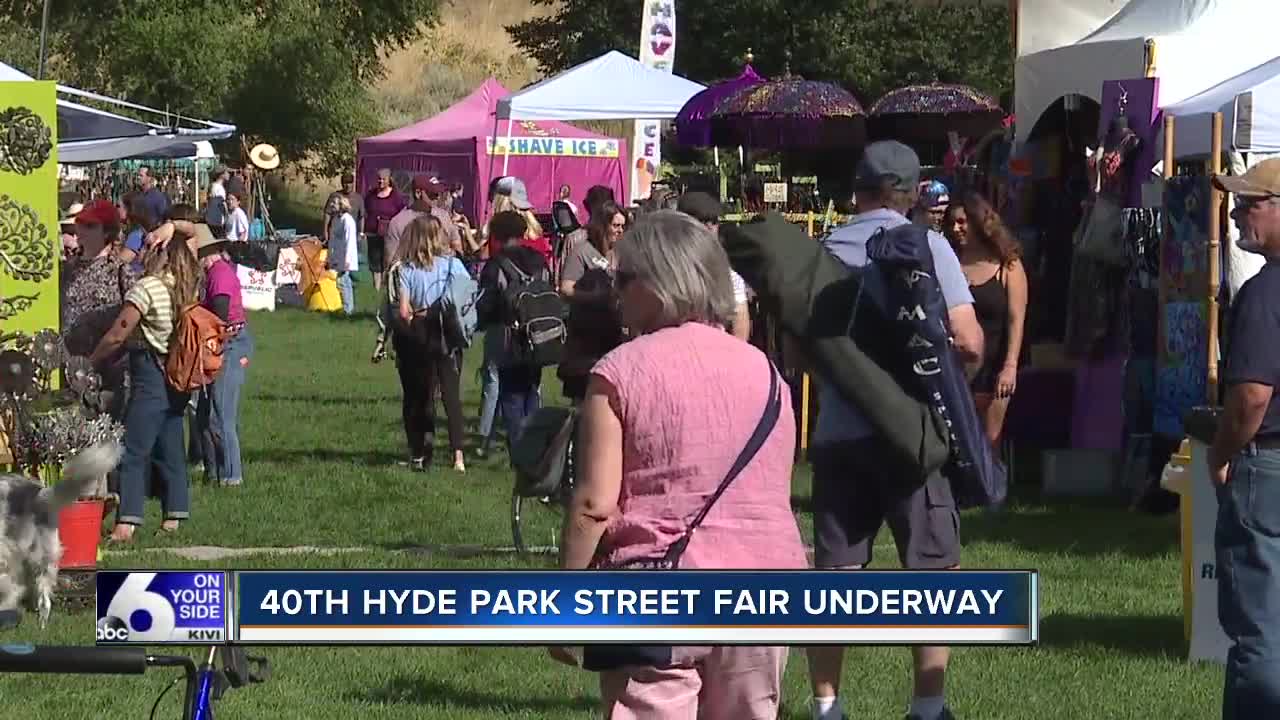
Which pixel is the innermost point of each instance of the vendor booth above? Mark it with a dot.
(460, 144)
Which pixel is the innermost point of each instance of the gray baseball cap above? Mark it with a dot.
(514, 187)
(888, 160)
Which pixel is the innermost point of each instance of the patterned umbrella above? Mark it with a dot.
(791, 113)
(927, 113)
(693, 124)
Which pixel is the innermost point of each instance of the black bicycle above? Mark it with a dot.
(204, 684)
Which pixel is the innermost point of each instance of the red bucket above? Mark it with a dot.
(79, 529)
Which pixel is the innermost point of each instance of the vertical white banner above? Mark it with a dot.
(658, 51)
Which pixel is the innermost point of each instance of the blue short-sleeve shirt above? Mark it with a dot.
(838, 420)
(424, 286)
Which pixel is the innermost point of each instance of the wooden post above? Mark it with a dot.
(1215, 231)
(804, 416)
(1166, 232)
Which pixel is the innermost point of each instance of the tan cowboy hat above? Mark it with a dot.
(72, 212)
(264, 156)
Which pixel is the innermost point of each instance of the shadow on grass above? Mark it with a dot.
(501, 549)
(1080, 527)
(336, 401)
(1077, 528)
(1139, 635)
(364, 457)
(359, 316)
(415, 690)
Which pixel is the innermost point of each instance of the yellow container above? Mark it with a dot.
(323, 295)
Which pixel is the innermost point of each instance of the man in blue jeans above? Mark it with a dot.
(1244, 462)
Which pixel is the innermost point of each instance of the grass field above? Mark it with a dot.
(321, 436)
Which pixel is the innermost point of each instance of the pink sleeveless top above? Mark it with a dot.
(690, 398)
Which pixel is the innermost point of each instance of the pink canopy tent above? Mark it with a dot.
(464, 144)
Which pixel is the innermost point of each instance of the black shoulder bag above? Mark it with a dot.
(597, 658)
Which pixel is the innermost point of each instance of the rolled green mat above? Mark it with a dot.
(812, 294)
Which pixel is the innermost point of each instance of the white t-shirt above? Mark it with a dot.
(238, 225)
(739, 288)
(344, 253)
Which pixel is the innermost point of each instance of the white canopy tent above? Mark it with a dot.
(1195, 45)
(1047, 24)
(614, 86)
(1250, 107)
(87, 134)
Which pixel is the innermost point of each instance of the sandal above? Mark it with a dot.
(162, 531)
(111, 540)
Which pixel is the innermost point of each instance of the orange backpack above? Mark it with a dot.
(195, 349)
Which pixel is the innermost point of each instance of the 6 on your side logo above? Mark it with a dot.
(139, 614)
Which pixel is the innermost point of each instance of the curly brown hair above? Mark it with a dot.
(986, 226)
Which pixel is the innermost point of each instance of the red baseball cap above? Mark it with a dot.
(428, 184)
(99, 212)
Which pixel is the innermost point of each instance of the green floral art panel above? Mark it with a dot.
(30, 248)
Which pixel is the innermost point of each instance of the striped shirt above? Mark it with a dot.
(154, 301)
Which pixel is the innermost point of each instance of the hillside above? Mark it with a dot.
(470, 44)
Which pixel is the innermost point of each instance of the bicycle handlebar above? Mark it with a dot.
(73, 659)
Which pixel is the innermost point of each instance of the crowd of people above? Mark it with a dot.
(129, 270)
(649, 326)
(654, 354)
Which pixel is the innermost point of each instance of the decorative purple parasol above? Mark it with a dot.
(693, 124)
(927, 113)
(791, 113)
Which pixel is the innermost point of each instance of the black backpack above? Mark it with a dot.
(541, 456)
(535, 315)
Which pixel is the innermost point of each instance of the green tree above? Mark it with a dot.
(295, 73)
(867, 46)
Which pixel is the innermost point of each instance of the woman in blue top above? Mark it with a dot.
(421, 274)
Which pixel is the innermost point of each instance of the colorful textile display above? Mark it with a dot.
(1182, 360)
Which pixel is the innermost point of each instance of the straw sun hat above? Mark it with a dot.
(264, 157)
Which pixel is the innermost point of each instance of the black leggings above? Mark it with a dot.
(420, 373)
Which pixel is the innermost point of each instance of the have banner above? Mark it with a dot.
(658, 51)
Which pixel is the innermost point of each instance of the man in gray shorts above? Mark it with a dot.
(856, 488)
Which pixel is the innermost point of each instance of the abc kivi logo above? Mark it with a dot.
(111, 629)
(165, 607)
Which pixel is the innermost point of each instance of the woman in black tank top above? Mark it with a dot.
(991, 261)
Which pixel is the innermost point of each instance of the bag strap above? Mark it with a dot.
(522, 276)
(768, 420)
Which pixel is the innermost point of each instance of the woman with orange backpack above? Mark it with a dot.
(153, 422)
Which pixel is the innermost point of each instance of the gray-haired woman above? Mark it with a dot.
(648, 464)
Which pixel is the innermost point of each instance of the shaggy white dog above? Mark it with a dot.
(29, 547)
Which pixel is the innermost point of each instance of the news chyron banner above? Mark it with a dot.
(679, 608)
(157, 607)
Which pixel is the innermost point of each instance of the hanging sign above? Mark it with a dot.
(658, 51)
(553, 146)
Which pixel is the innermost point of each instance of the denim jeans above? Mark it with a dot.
(153, 436)
(489, 385)
(518, 398)
(1247, 542)
(347, 292)
(218, 416)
